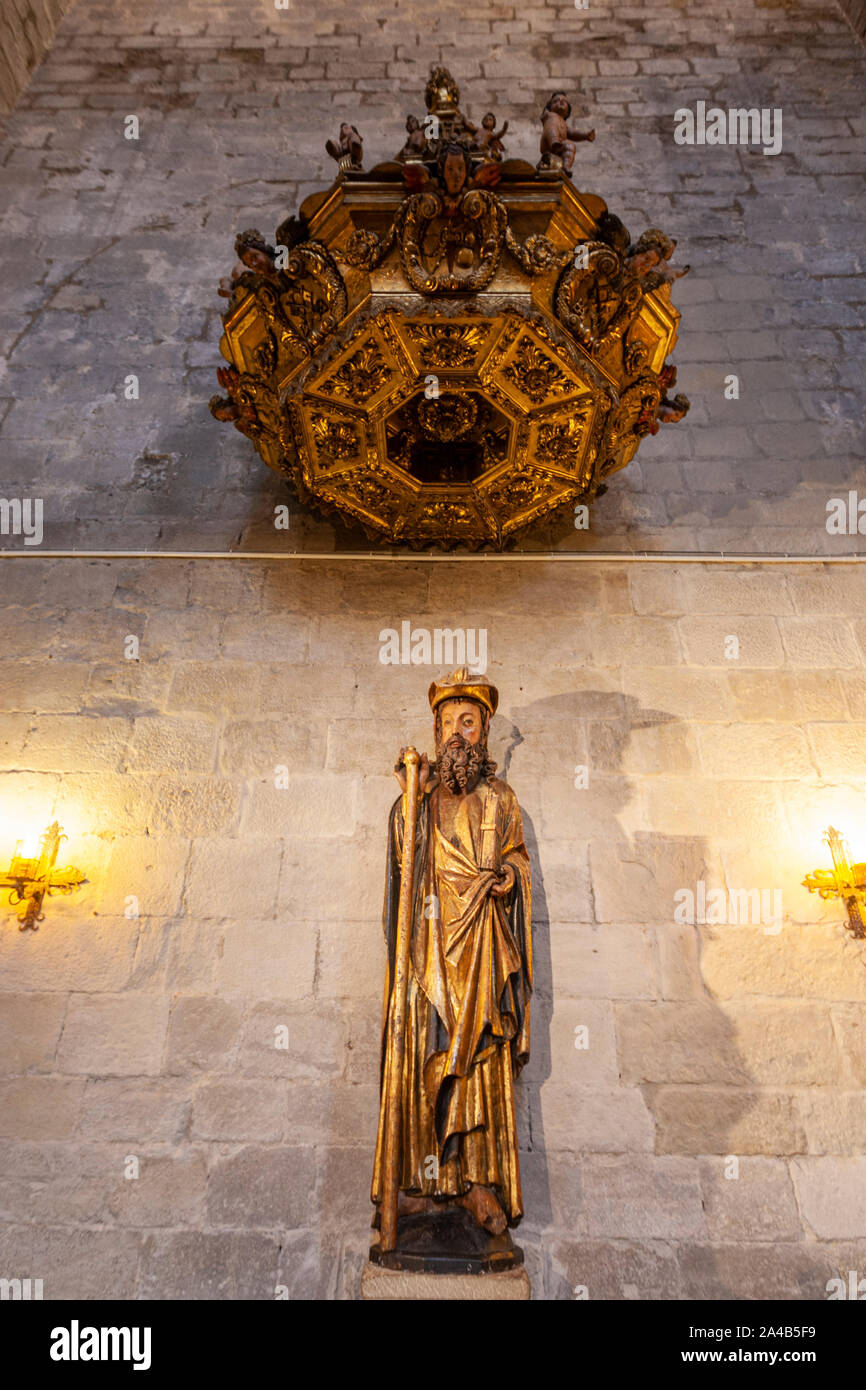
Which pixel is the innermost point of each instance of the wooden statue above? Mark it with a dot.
(457, 919)
(558, 138)
(348, 148)
(488, 140)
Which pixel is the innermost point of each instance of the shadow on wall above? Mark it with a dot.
(626, 1133)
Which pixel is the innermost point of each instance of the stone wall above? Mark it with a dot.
(720, 711)
(856, 12)
(153, 1037)
(113, 247)
(26, 31)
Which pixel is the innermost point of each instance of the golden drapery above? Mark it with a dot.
(467, 1030)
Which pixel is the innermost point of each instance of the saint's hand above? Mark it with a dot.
(505, 883)
(424, 773)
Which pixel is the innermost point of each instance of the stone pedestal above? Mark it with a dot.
(380, 1285)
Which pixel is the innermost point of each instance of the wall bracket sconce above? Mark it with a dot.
(845, 880)
(29, 880)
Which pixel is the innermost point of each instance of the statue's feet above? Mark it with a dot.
(407, 1205)
(481, 1203)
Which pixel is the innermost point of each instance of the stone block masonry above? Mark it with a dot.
(113, 247)
(692, 1120)
(26, 31)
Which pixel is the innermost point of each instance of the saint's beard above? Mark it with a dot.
(460, 765)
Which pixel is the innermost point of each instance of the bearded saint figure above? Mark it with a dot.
(467, 1020)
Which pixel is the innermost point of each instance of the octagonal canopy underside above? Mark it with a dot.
(501, 416)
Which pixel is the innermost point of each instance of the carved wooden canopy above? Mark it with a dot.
(454, 345)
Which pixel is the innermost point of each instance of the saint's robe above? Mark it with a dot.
(470, 980)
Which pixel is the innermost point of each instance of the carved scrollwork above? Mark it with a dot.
(537, 254)
(597, 298)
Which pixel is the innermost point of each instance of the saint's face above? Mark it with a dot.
(461, 717)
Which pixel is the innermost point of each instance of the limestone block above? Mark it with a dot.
(77, 1264)
(313, 1265)
(758, 1203)
(584, 1119)
(679, 967)
(618, 1270)
(322, 805)
(194, 805)
(274, 959)
(186, 634)
(351, 959)
(76, 743)
(127, 1109)
(126, 688)
(720, 810)
(263, 1188)
(650, 745)
(647, 641)
(30, 1026)
(229, 687)
(835, 1121)
(392, 1285)
(552, 1193)
(642, 1196)
(273, 637)
(100, 636)
(775, 1043)
(816, 642)
(148, 869)
(678, 693)
(738, 962)
(114, 1034)
(637, 880)
(561, 885)
(256, 747)
(169, 1191)
(849, 1022)
(172, 745)
(780, 696)
(334, 1112)
(773, 751)
(39, 1107)
(612, 961)
(706, 641)
(227, 588)
(589, 1023)
(771, 1270)
(226, 876)
(296, 1042)
(205, 1264)
(725, 1120)
(203, 1034)
(85, 955)
(839, 749)
(44, 686)
(325, 685)
(832, 1195)
(239, 1110)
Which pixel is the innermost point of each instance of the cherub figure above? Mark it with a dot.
(416, 141)
(648, 259)
(348, 149)
(558, 138)
(254, 254)
(241, 413)
(672, 411)
(488, 140)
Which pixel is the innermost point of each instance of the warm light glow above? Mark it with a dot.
(27, 818)
(815, 809)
